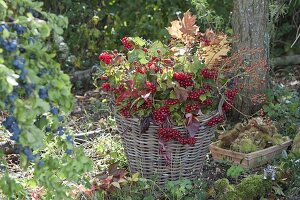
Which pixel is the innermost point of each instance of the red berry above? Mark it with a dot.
(105, 57)
(126, 43)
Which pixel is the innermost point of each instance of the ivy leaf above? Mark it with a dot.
(181, 93)
(192, 125)
(188, 24)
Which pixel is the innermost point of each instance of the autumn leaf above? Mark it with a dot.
(174, 29)
(188, 24)
(216, 51)
(181, 93)
(192, 125)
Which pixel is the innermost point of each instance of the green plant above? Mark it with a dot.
(35, 96)
(110, 149)
(185, 189)
(283, 106)
(235, 171)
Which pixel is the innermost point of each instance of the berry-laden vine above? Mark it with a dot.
(34, 97)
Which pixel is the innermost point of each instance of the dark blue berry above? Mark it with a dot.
(60, 118)
(40, 163)
(69, 138)
(19, 28)
(23, 74)
(22, 50)
(19, 62)
(43, 93)
(69, 151)
(54, 110)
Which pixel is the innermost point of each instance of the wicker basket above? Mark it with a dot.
(142, 150)
(249, 160)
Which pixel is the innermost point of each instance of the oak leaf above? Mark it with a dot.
(216, 51)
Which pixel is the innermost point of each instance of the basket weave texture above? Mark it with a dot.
(142, 150)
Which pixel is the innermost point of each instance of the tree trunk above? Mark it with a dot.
(250, 26)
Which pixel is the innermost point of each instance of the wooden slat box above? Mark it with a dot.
(249, 160)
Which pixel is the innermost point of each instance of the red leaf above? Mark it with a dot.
(192, 125)
(181, 93)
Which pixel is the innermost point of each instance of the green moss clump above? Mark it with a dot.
(247, 145)
(253, 187)
(296, 144)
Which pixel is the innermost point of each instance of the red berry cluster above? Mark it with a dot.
(168, 134)
(105, 86)
(230, 94)
(187, 140)
(192, 107)
(146, 105)
(152, 66)
(151, 86)
(207, 102)
(125, 112)
(209, 73)
(170, 102)
(184, 79)
(105, 57)
(215, 120)
(160, 115)
(126, 43)
(194, 95)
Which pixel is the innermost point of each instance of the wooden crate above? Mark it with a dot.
(249, 160)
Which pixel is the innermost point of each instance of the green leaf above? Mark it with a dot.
(3, 4)
(5, 34)
(203, 97)
(157, 45)
(138, 41)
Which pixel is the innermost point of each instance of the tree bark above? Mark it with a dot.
(250, 27)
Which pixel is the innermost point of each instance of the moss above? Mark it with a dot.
(247, 145)
(231, 195)
(223, 189)
(252, 187)
(296, 144)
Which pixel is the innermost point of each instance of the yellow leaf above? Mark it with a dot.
(116, 184)
(174, 29)
(218, 48)
(136, 175)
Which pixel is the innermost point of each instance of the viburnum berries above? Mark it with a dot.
(194, 95)
(126, 43)
(184, 79)
(160, 115)
(209, 73)
(105, 57)
(167, 134)
(105, 86)
(151, 86)
(215, 120)
(192, 107)
(170, 102)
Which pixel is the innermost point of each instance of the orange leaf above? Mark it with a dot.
(188, 24)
